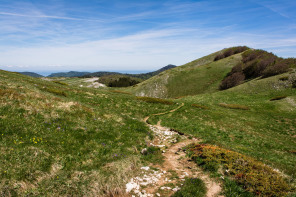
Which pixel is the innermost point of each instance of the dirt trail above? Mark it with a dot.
(163, 180)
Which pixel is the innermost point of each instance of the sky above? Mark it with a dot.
(137, 35)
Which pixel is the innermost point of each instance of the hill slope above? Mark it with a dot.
(200, 76)
(31, 74)
(220, 70)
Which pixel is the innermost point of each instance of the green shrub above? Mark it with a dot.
(155, 100)
(253, 176)
(199, 106)
(278, 98)
(256, 63)
(294, 83)
(285, 78)
(192, 187)
(230, 51)
(234, 106)
(123, 82)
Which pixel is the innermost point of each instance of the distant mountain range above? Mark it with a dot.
(68, 74)
(100, 74)
(141, 76)
(31, 74)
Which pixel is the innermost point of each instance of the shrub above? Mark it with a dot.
(294, 83)
(256, 63)
(278, 98)
(285, 78)
(192, 187)
(123, 82)
(232, 80)
(234, 106)
(230, 52)
(155, 100)
(199, 106)
(278, 68)
(254, 176)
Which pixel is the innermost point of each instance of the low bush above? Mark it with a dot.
(194, 187)
(294, 83)
(230, 52)
(285, 78)
(278, 98)
(232, 80)
(199, 106)
(123, 82)
(234, 106)
(256, 63)
(155, 100)
(253, 176)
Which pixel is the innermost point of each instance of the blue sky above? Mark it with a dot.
(94, 35)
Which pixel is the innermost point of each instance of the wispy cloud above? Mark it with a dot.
(136, 36)
(48, 16)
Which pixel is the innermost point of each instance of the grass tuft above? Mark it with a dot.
(193, 187)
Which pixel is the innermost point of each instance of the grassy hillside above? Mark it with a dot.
(58, 140)
(200, 76)
(245, 119)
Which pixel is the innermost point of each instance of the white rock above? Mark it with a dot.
(145, 168)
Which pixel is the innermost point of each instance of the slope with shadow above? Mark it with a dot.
(200, 76)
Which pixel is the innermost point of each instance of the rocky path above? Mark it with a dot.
(166, 179)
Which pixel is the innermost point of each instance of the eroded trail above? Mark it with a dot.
(166, 179)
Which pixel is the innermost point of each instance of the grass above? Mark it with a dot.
(155, 100)
(192, 187)
(200, 76)
(84, 144)
(266, 132)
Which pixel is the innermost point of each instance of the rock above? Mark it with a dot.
(144, 151)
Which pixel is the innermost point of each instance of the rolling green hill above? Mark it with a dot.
(205, 75)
